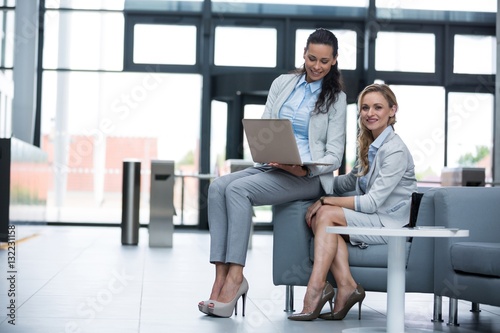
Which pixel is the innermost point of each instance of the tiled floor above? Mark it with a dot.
(81, 279)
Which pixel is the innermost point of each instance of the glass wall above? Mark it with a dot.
(70, 42)
(94, 116)
(153, 44)
(250, 47)
(421, 125)
(7, 22)
(438, 123)
(96, 111)
(482, 50)
(109, 117)
(470, 131)
(405, 52)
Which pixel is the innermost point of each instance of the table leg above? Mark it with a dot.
(396, 285)
(396, 281)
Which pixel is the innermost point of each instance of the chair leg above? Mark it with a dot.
(475, 308)
(438, 309)
(453, 313)
(289, 299)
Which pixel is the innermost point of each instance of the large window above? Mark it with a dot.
(475, 54)
(118, 83)
(7, 20)
(164, 44)
(70, 42)
(405, 52)
(6, 76)
(97, 120)
(250, 47)
(6, 96)
(470, 131)
(421, 125)
(351, 136)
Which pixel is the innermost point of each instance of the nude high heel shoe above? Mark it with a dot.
(326, 296)
(203, 306)
(225, 310)
(357, 296)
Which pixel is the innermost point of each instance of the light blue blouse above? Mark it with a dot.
(298, 108)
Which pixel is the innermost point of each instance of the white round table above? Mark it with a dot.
(396, 267)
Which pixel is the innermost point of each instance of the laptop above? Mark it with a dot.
(272, 140)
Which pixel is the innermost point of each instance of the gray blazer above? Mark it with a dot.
(326, 131)
(391, 181)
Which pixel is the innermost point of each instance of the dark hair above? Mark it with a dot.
(332, 83)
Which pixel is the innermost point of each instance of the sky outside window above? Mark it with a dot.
(405, 52)
(482, 49)
(164, 44)
(236, 46)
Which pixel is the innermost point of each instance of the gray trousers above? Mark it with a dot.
(230, 201)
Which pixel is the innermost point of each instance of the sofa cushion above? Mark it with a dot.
(476, 258)
(371, 256)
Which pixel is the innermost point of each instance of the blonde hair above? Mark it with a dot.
(365, 136)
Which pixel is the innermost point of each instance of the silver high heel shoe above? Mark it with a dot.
(357, 296)
(225, 310)
(326, 296)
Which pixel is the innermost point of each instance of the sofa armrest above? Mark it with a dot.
(292, 264)
(475, 209)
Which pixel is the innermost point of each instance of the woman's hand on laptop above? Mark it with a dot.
(296, 170)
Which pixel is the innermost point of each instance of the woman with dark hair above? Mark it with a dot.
(383, 180)
(313, 100)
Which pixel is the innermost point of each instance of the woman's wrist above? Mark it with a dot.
(306, 169)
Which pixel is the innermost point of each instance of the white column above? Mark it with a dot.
(62, 135)
(100, 136)
(25, 69)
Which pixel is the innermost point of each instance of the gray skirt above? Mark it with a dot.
(358, 219)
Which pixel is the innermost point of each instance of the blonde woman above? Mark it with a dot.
(383, 180)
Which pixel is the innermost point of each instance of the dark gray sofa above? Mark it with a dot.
(293, 253)
(468, 268)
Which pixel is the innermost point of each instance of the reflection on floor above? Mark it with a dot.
(81, 279)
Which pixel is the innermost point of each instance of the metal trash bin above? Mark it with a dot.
(131, 190)
(161, 204)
